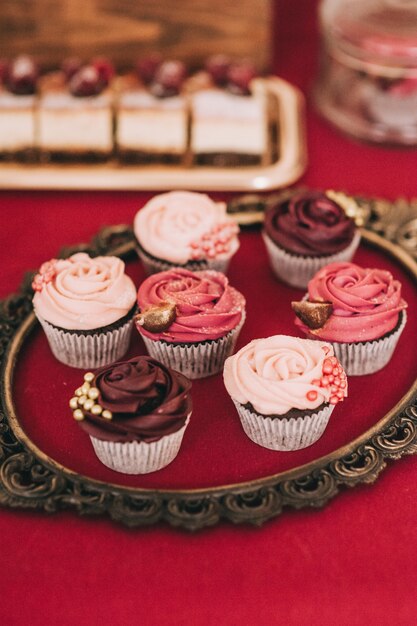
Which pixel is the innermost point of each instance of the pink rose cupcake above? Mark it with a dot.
(135, 412)
(281, 389)
(86, 308)
(185, 229)
(307, 231)
(360, 311)
(190, 320)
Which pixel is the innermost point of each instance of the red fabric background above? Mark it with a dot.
(351, 563)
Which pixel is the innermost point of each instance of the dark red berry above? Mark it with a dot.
(239, 77)
(218, 67)
(104, 68)
(71, 66)
(168, 79)
(86, 82)
(22, 75)
(146, 67)
(4, 67)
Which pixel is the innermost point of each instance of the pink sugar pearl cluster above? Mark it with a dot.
(46, 274)
(333, 377)
(214, 243)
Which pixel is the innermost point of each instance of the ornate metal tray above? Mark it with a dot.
(283, 164)
(31, 479)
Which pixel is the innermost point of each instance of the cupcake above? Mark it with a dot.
(86, 308)
(360, 311)
(185, 229)
(307, 231)
(285, 390)
(136, 413)
(190, 320)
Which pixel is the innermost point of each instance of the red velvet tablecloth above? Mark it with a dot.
(353, 562)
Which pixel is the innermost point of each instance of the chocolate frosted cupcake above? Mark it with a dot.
(307, 231)
(86, 308)
(360, 311)
(185, 229)
(135, 412)
(281, 389)
(190, 320)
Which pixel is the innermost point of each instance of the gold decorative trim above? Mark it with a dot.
(31, 479)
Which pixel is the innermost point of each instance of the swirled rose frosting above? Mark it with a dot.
(366, 302)
(82, 293)
(146, 400)
(309, 224)
(181, 226)
(280, 373)
(207, 307)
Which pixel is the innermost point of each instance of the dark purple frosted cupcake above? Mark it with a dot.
(136, 412)
(308, 230)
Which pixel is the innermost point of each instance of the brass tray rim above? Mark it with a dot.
(208, 509)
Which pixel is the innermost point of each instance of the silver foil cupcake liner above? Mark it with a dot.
(282, 433)
(368, 357)
(195, 360)
(153, 266)
(297, 271)
(88, 351)
(134, 457)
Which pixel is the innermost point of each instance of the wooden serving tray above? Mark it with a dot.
(288, 143)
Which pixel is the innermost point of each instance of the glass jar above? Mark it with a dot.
(367, 84)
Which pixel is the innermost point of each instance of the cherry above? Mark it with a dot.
(70, 66)
(168, 79)
(104, 68)
(239, 77)
(218, 67)
(22, 75)
(147, 67)
(86, 82)
(4, 67)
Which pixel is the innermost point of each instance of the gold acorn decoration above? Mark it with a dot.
(312, 314)
(157, 318)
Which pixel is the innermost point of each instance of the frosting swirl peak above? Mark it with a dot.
(83, 293)
(207, 307)
(309, 224)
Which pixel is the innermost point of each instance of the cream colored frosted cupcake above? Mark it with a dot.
(85, 306)
(185, 229)
(281, 389)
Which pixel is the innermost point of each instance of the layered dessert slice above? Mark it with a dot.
(152, 113)
(75, 113)
(229, 116)
(18, 85)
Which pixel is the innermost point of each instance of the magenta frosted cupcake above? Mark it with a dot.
(135, 412)
(307, 231)
(190, 320)
(85, 306)
(359, 310)
(185, 229)
(281, 389)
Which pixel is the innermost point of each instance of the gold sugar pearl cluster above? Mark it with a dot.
(85, 400)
